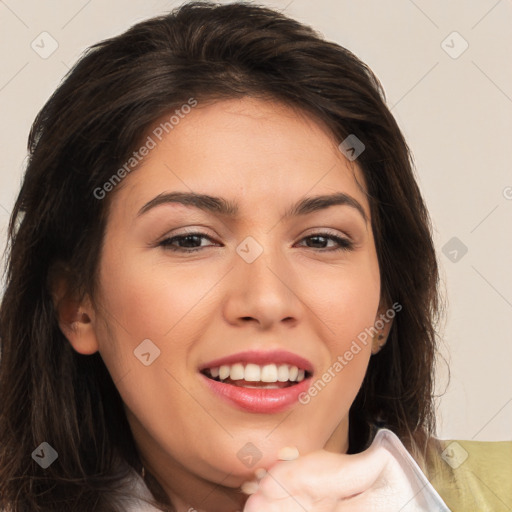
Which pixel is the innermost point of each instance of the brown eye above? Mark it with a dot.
(189, 242)
(319, 241)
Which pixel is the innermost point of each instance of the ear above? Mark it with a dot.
(383, 323)
(75, 317)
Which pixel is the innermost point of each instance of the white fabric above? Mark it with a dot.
(407, 481)
(137, 485)
(410, 485)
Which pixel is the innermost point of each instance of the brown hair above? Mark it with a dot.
(85, 132)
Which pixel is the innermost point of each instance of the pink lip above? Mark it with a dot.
(265, 401)
(261, 358)
(254, 400)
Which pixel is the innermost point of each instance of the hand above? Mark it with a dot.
(322, 481)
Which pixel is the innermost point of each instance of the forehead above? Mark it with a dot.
(261, 151)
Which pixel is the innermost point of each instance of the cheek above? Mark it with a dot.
(159, 303)
(346, 299)
(153, 300)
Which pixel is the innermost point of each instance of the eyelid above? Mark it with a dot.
(199, 231)
(344, 242)
(189, 230)
(338, 233)
(327, 231)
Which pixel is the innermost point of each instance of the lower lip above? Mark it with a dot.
(265, 401)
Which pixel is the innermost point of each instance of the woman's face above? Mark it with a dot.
(264, 283)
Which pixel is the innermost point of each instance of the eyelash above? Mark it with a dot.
(344, 244)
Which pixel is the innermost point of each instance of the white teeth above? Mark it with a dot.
(237, 372)
(252, 372)
(224, 371)
(283, 373)
(269, 373)
(255, 373)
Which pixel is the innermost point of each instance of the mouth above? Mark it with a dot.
(254, 376)
(258, 382)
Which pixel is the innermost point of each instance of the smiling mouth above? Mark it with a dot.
(268, 376)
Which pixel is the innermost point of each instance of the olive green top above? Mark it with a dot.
(472, 476)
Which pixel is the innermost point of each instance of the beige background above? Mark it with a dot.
(456, 114)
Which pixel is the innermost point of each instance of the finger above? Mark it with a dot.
(250, 487)
(324, 474)
(260, 473)
(288, 453)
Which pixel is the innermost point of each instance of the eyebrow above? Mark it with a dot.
(221, 206)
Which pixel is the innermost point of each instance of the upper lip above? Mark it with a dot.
(261, 358)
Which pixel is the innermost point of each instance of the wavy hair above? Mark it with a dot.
(84, 133)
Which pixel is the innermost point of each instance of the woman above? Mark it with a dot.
(221, 283)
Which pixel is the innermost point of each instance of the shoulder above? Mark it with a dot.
(472, 475)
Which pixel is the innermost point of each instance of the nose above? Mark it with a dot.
(264, 292)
